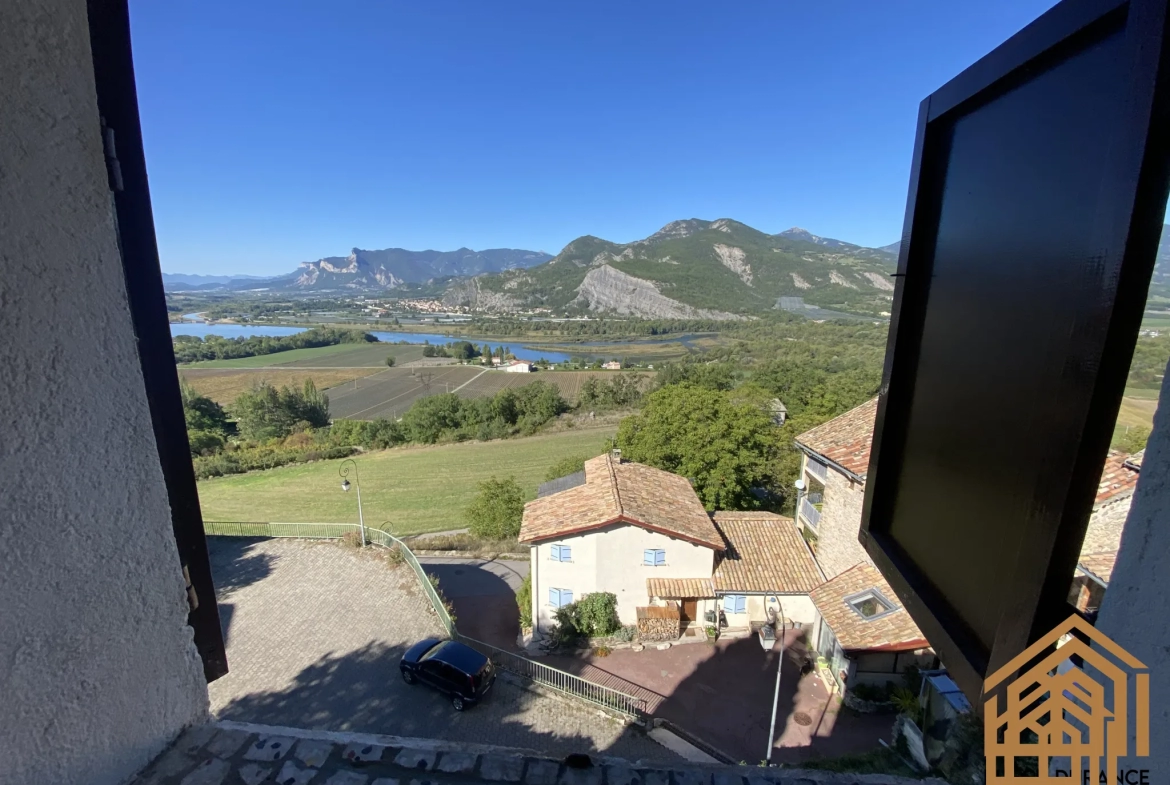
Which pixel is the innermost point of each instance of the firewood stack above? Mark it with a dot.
(659, 622)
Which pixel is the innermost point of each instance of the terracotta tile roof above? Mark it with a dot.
(678, 588)
(765, 553)
(845, 440)
(1099, 565)
(892, 632)
(622, 492)
(1120, 475)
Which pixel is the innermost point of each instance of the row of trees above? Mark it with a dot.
(191, 348)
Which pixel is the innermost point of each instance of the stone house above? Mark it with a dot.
(642, 534)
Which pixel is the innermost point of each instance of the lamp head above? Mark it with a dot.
(800, 484)
(345, 485)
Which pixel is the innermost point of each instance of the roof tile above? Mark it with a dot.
(845, 440)
(765, 553)
(893, 632)
(622, 492)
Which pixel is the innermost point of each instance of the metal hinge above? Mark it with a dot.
(192, 597)
(113, 167)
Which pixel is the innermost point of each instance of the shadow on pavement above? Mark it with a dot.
(485, 604)
(363, 691)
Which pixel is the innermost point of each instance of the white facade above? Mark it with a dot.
(519, 367)
(793, 607)
(611, 560)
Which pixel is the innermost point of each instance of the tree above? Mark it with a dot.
(1133, 439)
(390, 361)
(566, 466)
(497, 509)
(202, 413)
(429, 417)
(266, 413)
(429, 351)
(726, 447)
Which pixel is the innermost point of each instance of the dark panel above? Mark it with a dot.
(109, 25)
(1038, 184)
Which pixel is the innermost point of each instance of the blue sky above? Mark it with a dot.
(280, 132)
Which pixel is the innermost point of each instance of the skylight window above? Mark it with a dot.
(870, 604)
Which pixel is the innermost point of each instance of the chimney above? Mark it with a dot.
(616, 454)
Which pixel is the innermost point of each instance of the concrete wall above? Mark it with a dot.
(98, 671)
(610, 559)
(1137, 604)
(837, 546)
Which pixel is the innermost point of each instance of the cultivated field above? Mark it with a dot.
(222, 385)
(356, 355)
(342, 355)
(569, 382)
(414, 489)
(390, 392)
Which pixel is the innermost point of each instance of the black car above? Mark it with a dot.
(459, 672)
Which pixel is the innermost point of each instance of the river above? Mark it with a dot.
(202, 329)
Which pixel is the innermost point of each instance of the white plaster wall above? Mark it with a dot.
(610, 560)
(98, 671)
(1137, 603)
(620, 569)
(796, 607)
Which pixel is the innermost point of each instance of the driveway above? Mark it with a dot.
(483, 594)
(314, 634)
(723, 694)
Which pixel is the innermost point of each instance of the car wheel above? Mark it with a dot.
(458, 703)
(409, 677)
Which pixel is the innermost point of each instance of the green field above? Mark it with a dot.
(342, 355)
(410, 489)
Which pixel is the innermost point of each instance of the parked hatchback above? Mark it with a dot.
(458, 671)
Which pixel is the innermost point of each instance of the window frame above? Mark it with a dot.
(1132, 201)
(887, 605)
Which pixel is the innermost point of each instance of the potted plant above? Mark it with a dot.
(712, 633)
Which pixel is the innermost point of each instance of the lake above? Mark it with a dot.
(248, 330)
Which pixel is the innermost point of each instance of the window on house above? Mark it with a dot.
(734, 603)
(653, 558)
(559, 597)
(562, 553)
(870, 604)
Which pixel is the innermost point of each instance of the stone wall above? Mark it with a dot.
(837, 545)
(98, 672)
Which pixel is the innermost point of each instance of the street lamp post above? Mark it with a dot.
(344, 472)
(779, 667)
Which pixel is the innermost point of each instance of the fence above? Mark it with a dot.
(810, 513)
(333, 531)
(560, 681)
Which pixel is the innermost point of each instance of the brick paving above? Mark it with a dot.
(314, 633)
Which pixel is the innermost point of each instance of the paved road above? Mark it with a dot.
(484, 595)
(314, 634)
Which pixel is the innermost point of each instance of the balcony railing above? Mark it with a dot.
(817, 469)
(811, 514)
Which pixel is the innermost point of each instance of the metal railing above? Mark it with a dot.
(810, 513)
(817, 469)
(542, 674)
(559, 680)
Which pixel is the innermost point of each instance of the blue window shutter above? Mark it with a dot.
(659, 557)
(554, 598)
(729, 604)
(648, 557)
(557, 553)
(566, 596)
(566, 553)
(740, 604)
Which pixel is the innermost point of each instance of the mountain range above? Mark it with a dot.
(369, 270)
(694, 269)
